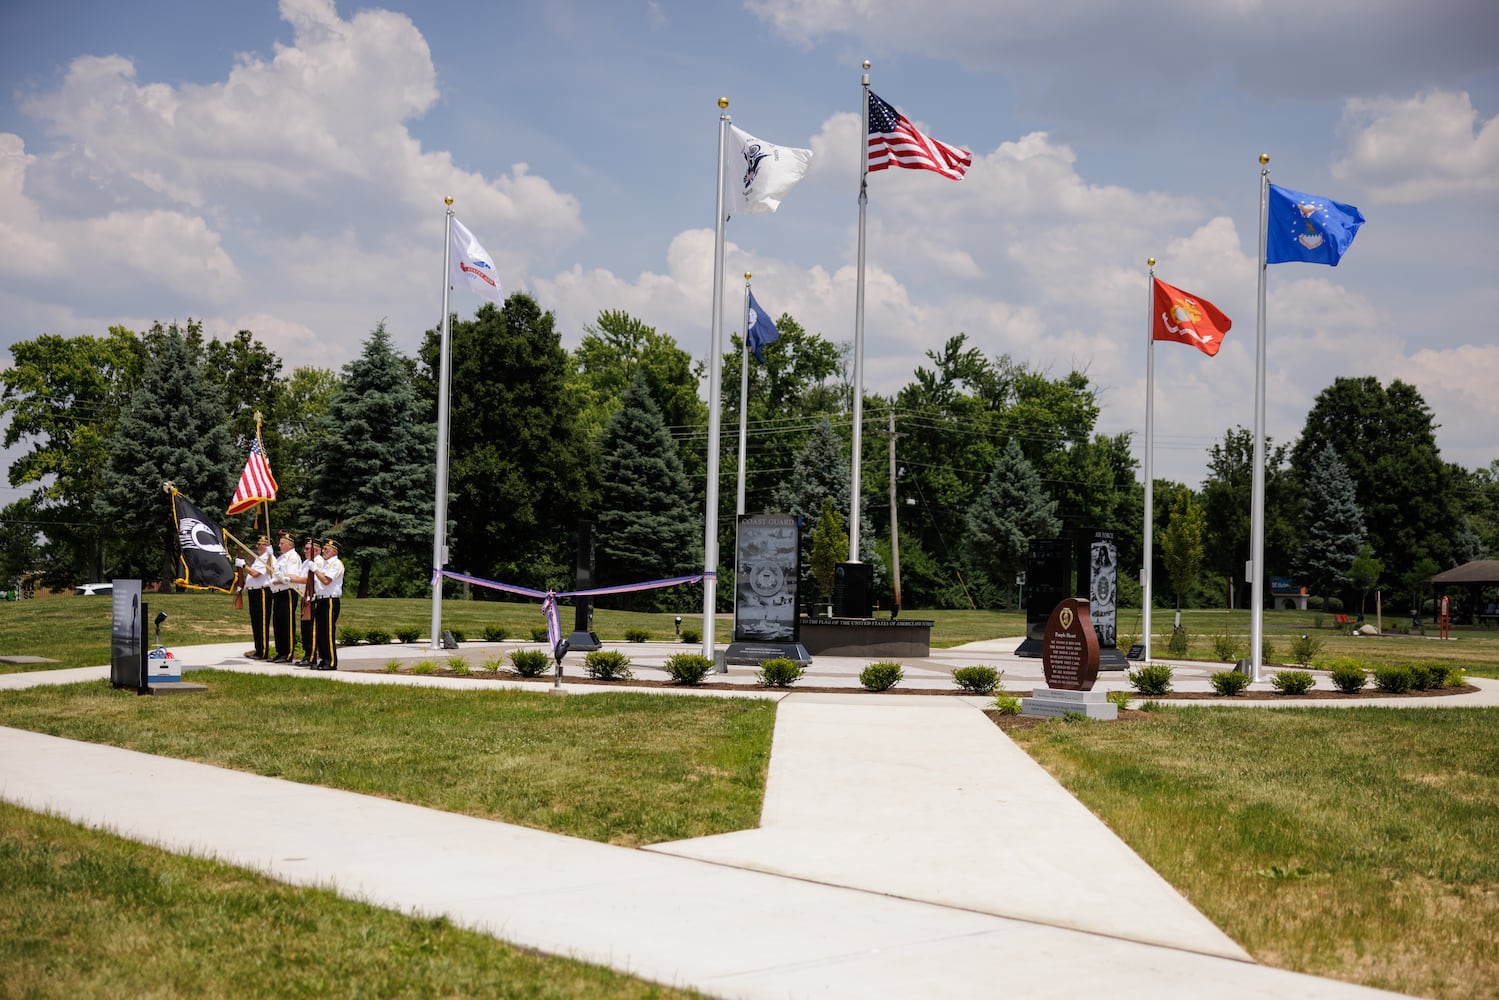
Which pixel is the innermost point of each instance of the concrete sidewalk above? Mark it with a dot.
(907, 848)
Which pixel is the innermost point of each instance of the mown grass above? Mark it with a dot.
(622, 768)
(1354, 843)
(86, 914)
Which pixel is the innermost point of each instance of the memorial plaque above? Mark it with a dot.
(127, 652)
(1048, 577)
(1098, 581)
(766, 571)
(1069, 652)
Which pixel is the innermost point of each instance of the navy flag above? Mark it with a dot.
(760, 330)
(1306, 227)
(201, 554)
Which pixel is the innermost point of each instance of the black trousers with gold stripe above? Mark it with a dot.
(324, 626)
(259, 599)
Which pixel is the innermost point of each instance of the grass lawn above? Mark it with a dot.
(1357, 844)
(87, 914)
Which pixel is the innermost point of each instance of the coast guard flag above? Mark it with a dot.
(770, 172)
(1188, 319)
(472, 267)
(1308, 228)
(761, 330)
(894, 141)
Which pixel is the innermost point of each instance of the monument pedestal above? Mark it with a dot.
(753, 654)
(1049, 701)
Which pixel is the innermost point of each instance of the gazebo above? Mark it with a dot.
(1473, 576)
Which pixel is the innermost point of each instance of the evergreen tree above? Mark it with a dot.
(821, 472)
(647, 522)
(1226, 496)
(1334, 524)
(829, 548)
(1364, 574)
(373, 477)
(173, 429)
(1013, 508)
(1181, 544)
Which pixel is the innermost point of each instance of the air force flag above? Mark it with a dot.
(1309, 228)
(770, 172)
(471, 266)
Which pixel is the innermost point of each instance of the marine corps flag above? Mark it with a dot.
(1187, 319)
(200, 543)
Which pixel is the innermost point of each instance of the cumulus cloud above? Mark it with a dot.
(1430, 146)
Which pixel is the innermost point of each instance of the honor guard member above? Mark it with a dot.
(305, 581)
(328, 589)
(258, 595)
(284, 598)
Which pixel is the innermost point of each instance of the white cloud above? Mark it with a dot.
(1420, 148)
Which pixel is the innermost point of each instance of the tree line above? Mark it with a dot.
(990, 453)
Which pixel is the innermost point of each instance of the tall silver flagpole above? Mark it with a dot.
(743, 392)
(715, 377)
(444, 376)
(1146, 579)
(858, 436)
(1257, 502)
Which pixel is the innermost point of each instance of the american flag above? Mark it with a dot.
(256, 483)
(894, 141)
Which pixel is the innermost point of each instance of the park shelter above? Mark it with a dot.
(1471, 576)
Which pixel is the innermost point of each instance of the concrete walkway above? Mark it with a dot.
(907, 848)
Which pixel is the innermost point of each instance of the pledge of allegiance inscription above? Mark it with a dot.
(1069, 651)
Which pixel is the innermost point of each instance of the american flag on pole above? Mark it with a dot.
(894, 141)
(256, 483)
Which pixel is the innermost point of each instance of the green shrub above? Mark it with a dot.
(977, 679)
(881, 676)
(424, 667)
(1293, 682)
(1428, 674)
(1348, 675)
(691, 636)
(529, 662)
(1393, 678)
(1179, 642)
(538, 633)
(491, 665)
(781, 672)
(377, 637)
(688, 668)
(459, 666)
(1006, 704)
(1304, 649)
(1227, 647)
(1153, 678)
(637, 635)
(1229, 682)
(607, 665)
(408, 634)
(350, 636)
(1267, 649)
(1456, 677)
(1120, 698)
(393, 667)
(495, 633)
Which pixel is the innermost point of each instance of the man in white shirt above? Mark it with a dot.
(284, 598)
(305, 581)
(258, 594)
(328, 590)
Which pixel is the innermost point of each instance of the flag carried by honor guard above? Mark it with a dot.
(201, 554)
(1307, 227)
(895, 142)
(770, 172)
(256, 483)
(759, 330)
(472, 267)
(1188, 319)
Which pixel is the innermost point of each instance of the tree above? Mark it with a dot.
(1364, 574)
(172, 430)
(301, 425)
(1226, 503)
(1405, 489)
(63, 397)
(522, 472)
(373, 481)
(1013, 509)
(1181, 544)
(1334, 524)
(829, 548)
(647, 524)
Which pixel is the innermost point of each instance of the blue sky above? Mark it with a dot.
(281, 168)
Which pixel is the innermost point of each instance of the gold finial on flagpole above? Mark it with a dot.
(866, 65)
(1264, 158)
(448, 201)
(257, 418)
(723, 103)
(746, 276)
(1150, 261)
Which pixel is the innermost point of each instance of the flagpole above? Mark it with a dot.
(445, 373)
(1257, 502)
(715, 377)
(858, 414)
(1148, 534)
(743, 392)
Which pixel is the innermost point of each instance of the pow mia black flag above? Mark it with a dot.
(205, 563)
